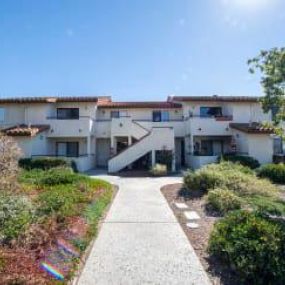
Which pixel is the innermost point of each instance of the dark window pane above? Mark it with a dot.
(68, 113)
(156, 116)
(72, 149)
(211, 112)
(115, 114)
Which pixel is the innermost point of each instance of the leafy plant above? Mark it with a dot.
(274, 172)
(158, 170)
(9, 155)
(253, 245)
(244, 160)
(268, 205)
(223, 200)
(16, 213)
(41, 163)
(62, 200)
(228, 176)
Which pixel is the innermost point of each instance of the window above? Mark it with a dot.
(119, 114)
(69, 149)
(115, 114)
(207, 148)
(68, 113)
(2, 115)
(160, 116)
(208, 112)
(165, 116)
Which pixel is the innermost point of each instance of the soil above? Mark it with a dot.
(199, 237)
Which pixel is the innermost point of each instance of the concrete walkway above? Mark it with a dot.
(141, 241)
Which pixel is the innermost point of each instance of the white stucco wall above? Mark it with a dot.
(261, 147)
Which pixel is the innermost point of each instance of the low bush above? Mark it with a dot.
(159, 170)
(41, 163)
(223, 200)
(252, 245)
(15, 215)
(272, 206)
(274, 172)
(228, 176)
(243, 160)
(66, 200)
(53, 176)
(62, 200)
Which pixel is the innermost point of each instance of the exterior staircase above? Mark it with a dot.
(158, 138)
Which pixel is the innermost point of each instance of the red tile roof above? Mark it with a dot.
(52, 99)
(24, 130)
(252, 128)
(214, 98)
(158, 105)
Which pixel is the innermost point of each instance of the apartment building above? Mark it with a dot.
(97, 132)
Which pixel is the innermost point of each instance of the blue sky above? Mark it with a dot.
(135, 49)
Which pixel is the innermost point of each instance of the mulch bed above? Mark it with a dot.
(199, 237)
(20, 261)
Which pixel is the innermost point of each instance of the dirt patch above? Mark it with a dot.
(199, 237)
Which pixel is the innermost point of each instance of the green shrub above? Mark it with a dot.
(223, 200)
(15, 215)
(203, 179)
(159, 170)
(53, 176)
(251, 244)
(56, 176)
(274, 172)
(41, 163)
(228, 176)
(268, 205)
(62, 200)
(74, 166)
(243, 160)
(68, 199)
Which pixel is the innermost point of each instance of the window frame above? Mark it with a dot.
(205, 115)
(117, 116)
(70, 117)
(67, 154)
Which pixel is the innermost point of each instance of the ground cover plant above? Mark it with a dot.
(242, 214)
(244, 160)
(52, 209)
(252, 244)
(274, 172)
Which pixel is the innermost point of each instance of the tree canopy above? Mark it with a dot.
(271, 64)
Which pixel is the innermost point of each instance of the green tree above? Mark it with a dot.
(271, 64)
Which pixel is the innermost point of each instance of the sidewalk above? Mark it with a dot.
(140, 241)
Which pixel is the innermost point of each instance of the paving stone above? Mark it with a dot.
(181, 206)
(192, 225)
(191, 215)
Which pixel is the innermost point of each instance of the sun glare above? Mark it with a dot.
(249, 4)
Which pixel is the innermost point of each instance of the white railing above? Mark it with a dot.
(70, 128)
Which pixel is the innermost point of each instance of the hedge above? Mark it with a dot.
(41, 163)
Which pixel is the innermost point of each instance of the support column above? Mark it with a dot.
(173, 166)
(88, 145)
(152, 157)
(129, 140)
(113, 144)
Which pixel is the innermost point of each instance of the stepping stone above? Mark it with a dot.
(192, 225)
(191, 215)
(181, 205)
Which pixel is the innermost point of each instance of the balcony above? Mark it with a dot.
(81, 127)
(209, 126)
